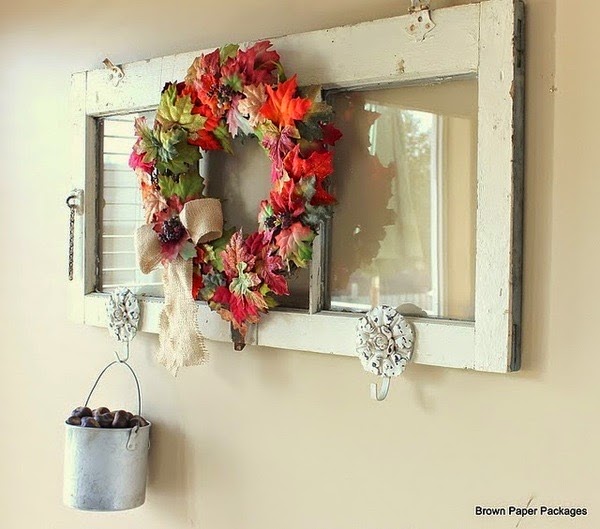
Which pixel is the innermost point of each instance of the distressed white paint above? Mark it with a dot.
(76, 288)
(475, 39)
(364, 54)
(495, 193)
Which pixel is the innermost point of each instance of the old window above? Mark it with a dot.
(428, 178)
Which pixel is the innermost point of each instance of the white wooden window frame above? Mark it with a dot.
(482, 40)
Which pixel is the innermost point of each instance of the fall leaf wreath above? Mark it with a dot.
(228, 93)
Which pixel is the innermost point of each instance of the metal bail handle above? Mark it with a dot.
(137, 384)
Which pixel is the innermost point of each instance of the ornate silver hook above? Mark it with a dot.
(384, 344)
(123, 313)
(380, 393)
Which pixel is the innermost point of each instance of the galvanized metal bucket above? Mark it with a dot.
(105, 469)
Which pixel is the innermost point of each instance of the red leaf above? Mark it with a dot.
(330, 134)
(197, 285)
(211, 62)
(281, 107)
(256, 65)
(318, 164)
(322, 197)
(285, 198)
(206, 140)
(136, 160)
(221, 296)
(236, 252)
(279, 146)
(243, 310)
(268, 267)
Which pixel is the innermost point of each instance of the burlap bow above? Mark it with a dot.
(180, 341)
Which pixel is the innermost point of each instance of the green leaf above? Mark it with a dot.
(171, 151)
(311, 92)
(271, 302)
(229, 51)
(188, 251)
(176, 110)
(314, 215)
(310, 130)
(222, 134)
(188, 187)
(320, 111)
(303, 256)
(234, 82)
(266, 292)
(280, 73)
(267, 128)
(306, 186)
(212, 281)
(216, 247)
(142, 130)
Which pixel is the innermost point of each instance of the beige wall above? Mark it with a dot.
(267, 439)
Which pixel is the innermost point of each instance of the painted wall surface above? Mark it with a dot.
(267, 439)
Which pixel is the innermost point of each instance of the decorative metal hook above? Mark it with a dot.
(380, 393)
(123, 314)
(123, 360)
(384, 343)
(75, 200)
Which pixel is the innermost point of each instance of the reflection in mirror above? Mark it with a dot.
(403, 233)
(120, 210)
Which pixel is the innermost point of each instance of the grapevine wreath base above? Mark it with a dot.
(228, 93)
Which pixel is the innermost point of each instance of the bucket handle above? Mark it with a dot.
(135, 378)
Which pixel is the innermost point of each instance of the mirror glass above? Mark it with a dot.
(403, 233)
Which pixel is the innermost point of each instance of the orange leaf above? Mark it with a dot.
(281, 107)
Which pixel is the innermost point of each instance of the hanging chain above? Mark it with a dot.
(72, 204)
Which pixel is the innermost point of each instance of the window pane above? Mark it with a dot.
(403, 233)
(121, 211)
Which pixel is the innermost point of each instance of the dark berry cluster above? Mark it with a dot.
(172, 230)
(282, 220)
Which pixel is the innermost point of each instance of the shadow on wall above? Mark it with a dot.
(539, 163)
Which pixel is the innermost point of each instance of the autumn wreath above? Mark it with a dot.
(227, 93)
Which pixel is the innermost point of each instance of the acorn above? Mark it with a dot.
(82, 411)
(120, 420)
(100, 411)
(137, 420)
(74, 421)
(89, 422)
(105, 419)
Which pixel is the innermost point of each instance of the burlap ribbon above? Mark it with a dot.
(180, 341)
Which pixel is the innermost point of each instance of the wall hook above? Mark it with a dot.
(123, 360)
(420, 20)
(384, 344)
(116, 72)
(380, 393)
